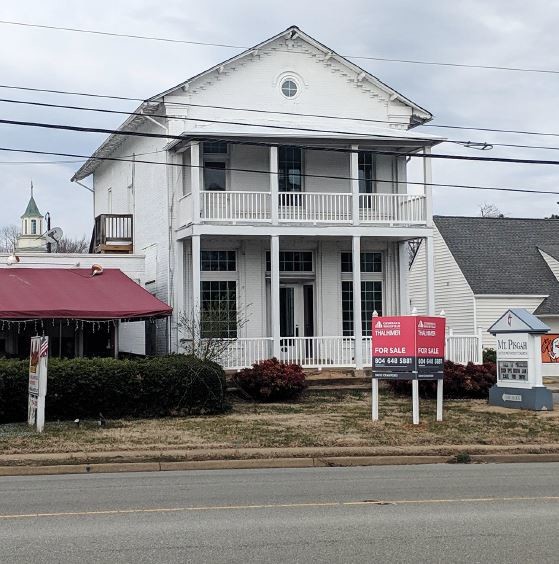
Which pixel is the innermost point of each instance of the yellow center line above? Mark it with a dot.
(275, 506)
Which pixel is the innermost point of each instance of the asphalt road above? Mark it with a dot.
(439, 513)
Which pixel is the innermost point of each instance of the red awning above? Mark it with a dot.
(55, 293)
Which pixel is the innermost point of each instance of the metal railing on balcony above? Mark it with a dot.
(113, 233)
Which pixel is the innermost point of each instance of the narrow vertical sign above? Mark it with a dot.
(38, 363)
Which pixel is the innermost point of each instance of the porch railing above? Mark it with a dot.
(318, 352)
(464, 348)
(243, 353)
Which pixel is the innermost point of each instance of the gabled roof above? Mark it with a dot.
(501, 255)
(295, 32)
(31, 210)
(419, 115)
(518, 320)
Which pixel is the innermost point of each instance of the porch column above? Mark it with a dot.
(275, 294)
(427, 188)
(430, 273)
(196, 305)
(403, 255)
(179, 309)
(354, 175)
(195, 179)
(274, 185)
(357, 328)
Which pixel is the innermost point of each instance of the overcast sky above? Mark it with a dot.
(499, 32)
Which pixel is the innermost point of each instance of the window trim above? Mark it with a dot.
(224, 158)
(235, 259)
(349, 273)
(236, 310)
(286, 273)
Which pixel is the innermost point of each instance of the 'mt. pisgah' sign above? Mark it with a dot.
(405, 347)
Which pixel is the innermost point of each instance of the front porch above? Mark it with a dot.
(298, 295)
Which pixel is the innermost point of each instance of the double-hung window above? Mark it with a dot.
(218, 295)
(290, 169)
(215, 165)
(371, 291)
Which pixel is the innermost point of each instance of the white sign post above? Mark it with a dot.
(38, 364)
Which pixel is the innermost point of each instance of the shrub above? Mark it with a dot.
(470, 381)
(146, 387)
(490, 355)
(271, 380)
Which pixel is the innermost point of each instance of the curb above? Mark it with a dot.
(244, 464)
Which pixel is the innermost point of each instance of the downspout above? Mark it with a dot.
(170, 202)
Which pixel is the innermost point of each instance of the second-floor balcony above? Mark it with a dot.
(243, 207)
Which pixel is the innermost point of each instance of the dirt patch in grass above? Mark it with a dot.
(318, 420)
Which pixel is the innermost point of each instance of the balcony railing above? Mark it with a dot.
(391, 208)
(314, 207)
(113, 233)
(304, 208)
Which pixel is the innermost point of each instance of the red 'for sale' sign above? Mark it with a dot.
(393, 342)
(408, 346)
(429, 345)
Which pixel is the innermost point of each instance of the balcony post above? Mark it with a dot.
(196, 304)
(357, 327)
(195, 179)
(354, 175)
(274, 185)
(427, 187)
(275, 294)
(430, 273)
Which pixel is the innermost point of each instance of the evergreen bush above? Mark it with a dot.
(85, 387)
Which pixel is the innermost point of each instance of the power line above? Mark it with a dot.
(295, 114)
(64, 127)
(466, 143)
(305, 175)
(244, 47)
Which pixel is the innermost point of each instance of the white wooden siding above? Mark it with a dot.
(552, 263)
(452, 291)
(490, 308)
(417, 285)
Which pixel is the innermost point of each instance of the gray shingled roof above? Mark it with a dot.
(501, 255)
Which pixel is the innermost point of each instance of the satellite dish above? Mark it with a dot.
(54, 235)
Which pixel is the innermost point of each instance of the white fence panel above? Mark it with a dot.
(464, 348)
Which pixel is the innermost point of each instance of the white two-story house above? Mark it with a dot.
(273, 184)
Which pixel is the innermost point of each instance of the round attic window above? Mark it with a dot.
(289, 88)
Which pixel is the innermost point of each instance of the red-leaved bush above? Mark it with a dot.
(469, 381)
(271, 380)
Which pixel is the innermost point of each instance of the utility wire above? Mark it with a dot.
(296, 114)
(466, 143)
(311, 147)
(306, 175)
(244, 47)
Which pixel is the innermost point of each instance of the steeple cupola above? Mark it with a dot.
(31, 237)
